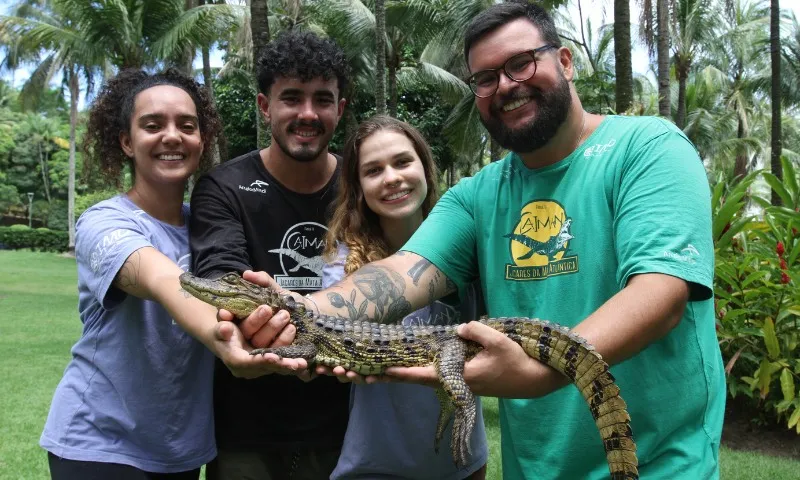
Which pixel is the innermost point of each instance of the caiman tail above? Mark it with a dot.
(574, 358)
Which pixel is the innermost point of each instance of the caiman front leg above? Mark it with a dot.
(307, 351)
(450, 369)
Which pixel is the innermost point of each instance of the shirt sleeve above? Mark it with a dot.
(104, 238)
(333, 271)
(447, 238)
(216, 233)
(662, 221)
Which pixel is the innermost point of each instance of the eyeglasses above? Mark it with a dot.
(519, 68)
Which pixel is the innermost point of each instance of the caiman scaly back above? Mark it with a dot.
(369, 348)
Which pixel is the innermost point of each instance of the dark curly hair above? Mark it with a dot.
(111, 112)
(302, 55)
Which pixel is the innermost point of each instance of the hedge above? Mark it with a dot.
(41, 239)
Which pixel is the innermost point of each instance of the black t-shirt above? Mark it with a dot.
(242, 218)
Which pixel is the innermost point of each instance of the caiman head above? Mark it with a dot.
(230, 291)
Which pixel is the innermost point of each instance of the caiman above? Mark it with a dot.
(369, 348)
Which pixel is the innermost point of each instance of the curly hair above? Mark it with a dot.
(302, 55)
(110, 115)
(353, 223)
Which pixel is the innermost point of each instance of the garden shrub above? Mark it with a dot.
(40, 239)
(757, 296)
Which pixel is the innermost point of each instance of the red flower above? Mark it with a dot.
(780, 249)
(794, 232)
(785, 278)
(783, 264)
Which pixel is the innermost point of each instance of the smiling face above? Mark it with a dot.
(392, 176)
(164, 139)
(523, 116)
(303, 115)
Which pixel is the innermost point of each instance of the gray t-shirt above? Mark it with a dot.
(392, 425)
(138, 388)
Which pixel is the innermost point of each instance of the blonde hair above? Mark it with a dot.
(353, 223)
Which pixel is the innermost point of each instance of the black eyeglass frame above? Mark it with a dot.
(496, 71)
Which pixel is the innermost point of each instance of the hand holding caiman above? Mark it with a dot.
(370, 348)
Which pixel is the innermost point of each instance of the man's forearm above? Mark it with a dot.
(646, 310)
(384, 291)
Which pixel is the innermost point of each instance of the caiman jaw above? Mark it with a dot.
(228, 292)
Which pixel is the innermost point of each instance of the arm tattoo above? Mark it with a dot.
(128, 275)
(450, 286)
(416, 271)
(383, 288)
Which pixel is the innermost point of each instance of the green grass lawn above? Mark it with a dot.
(39, 323)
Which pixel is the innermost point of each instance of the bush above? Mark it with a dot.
(757, 296)
(41, 239)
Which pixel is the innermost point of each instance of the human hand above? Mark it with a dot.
(231, 347)
(501, 369)
(348, 376)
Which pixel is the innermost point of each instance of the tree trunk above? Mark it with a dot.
(259, 27)
(350, 121)
(740, 167)
(682, 72)
(259, 31)
(186, 60)
(394, 64)
(380, 57)
(74, 91)
(43, 166)
(622, 55)
(208, 81)
(775, 57)
(662, 51)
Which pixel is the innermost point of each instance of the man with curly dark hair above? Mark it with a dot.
(268, 210)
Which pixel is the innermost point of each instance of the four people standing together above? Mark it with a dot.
(601, 224)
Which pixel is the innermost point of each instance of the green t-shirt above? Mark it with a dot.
(556, 243)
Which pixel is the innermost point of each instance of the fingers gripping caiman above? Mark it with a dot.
(370, 348)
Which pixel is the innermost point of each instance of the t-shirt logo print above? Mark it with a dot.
(540, 242)
(301, 253)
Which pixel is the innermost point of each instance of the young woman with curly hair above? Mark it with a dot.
(387, 188)
(135, 400)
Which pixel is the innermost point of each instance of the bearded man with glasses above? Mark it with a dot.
(598, 223)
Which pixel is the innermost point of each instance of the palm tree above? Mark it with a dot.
(80, 39)
(260, 35)
(738, 55)
(622, 55)
(55, 34)
(775, 59)
(654, 31)
(42, 132)
(695, 24)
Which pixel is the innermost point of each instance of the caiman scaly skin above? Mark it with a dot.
(369, 348)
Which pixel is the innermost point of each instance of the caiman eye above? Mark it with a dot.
(230, 278)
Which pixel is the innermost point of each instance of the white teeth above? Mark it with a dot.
(170, 157)
(397, 195)
(306, 134)
(516, 104)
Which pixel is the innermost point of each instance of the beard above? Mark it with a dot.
(553, 107)
(304, 152)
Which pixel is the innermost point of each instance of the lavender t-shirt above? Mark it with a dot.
(392, 425)
(138, 388)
